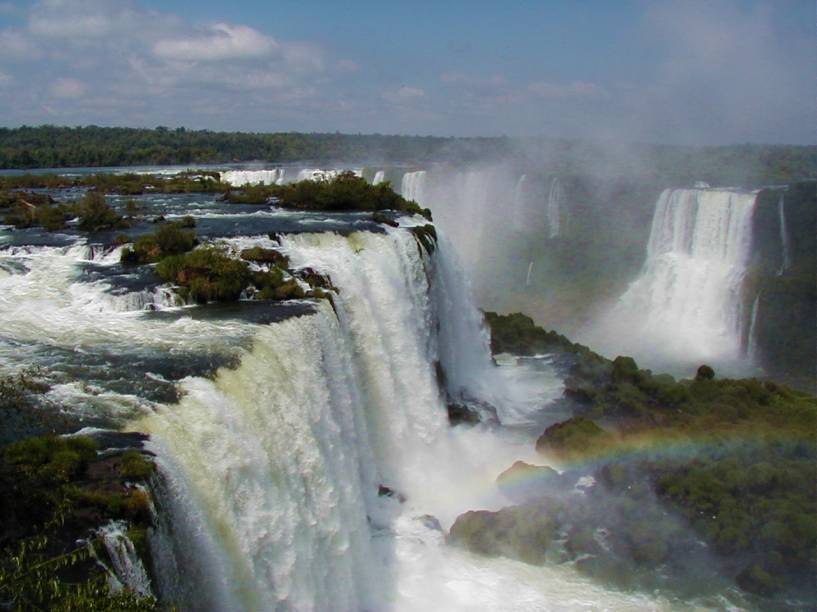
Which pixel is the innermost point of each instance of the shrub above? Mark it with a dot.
(134, 466)
(96, 215)
(208, 274)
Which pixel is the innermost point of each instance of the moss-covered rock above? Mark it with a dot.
(426, 236)
(54, 494)
(519, 532)
(170, 239)
(207, 274)
(261, 255)
(573, 439)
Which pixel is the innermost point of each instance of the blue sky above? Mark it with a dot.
(716, 71)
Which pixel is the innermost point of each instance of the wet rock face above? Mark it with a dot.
(523, 482)
(518, 532)
(570, 438)
(459, 414)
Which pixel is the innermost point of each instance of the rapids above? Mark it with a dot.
(306, 459)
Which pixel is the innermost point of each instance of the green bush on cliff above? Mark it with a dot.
(573, 438)
(344, 192)
(95, 214)
(735, 459)
(169, 239)
(207, 274)
(49, 499)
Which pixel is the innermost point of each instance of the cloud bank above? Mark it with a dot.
(707, 72)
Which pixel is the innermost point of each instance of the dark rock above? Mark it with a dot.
(459, 414)
(571, 438)
(757, 580)
(523, 482)
(430, 522)
(518, 532)
(381, 217)
(265, 256)
(384, 491)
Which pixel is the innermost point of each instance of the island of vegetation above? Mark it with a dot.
(687, 476)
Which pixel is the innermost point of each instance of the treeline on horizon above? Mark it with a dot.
(748, 165)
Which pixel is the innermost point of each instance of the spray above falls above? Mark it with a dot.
(685, 307)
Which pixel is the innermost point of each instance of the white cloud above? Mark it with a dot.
(574, 89)
(221, 41)
(348, 66)
(468, 80)
(15, 45)
(404, 94)
(5, 79)
(68, 88)
(79, 19)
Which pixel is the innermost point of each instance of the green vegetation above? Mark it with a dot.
(426, 235)
(206, 274)
(57, 147)
(169, 239)
(261, 255)
(125, 184)
(54, 492)
(28, 209)
(344, 192)
(572, 438)
(733, 460)
(516, 333)
(95, 214)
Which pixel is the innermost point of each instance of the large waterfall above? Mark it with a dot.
(413, 186)
(239, 178)
(318, 474)
(785, 255)
(305, 453)
(685, 307)
(554, 208)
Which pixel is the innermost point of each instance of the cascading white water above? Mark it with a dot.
(785, 259)
(275, 466)
(240, 178)
(413, 186)
(554, 208)
(685, 306)
(751, 343)
(518, 211)
(127, 565)
(379, 177)
(528, 275)
(276, 456)
(318, 174)
(464, 342)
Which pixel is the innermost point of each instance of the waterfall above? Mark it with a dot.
(282, 458)
(751, 343)
(554, 208)
(413, 186)
(464, 341)
(317, 469)
(379, 177)
(527, 276)
(518, 209)
(684, 307)
(318, 174)
(127, 566)
(785, 258)
(240, 178)
(277, 461)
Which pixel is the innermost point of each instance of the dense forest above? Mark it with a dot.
(92, 146)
